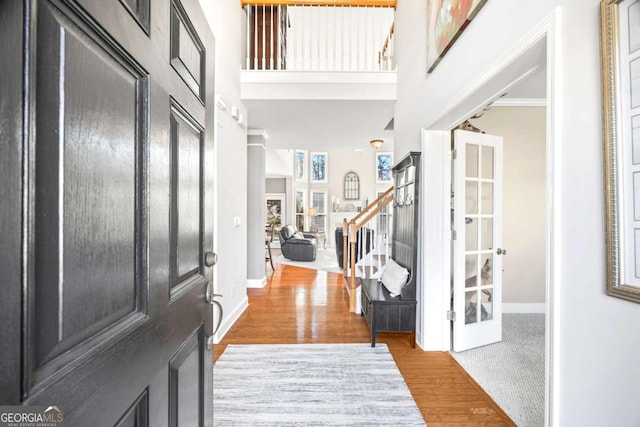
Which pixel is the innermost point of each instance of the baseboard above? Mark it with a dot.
(231, 318)
(537, 307)
(257, 283)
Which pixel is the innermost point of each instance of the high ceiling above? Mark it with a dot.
(322, 125)
(344, 124)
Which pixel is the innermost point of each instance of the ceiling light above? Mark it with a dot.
(376, 143)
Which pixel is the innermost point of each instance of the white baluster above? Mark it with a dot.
(248, 55)
(264, 38)
(271, 37)
(370, 39)
(307, 51)
(278, 41)
(341, 39)
(315, 16)
(324, 40)
(297, 37)
(255, 35)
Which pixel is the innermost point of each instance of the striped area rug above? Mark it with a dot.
(311, 385)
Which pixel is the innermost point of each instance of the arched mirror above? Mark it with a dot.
(351, 186)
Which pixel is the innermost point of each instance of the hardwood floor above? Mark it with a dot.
(306, 306)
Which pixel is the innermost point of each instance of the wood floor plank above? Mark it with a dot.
(300, 305)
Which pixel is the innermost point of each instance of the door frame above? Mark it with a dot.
(523, 59)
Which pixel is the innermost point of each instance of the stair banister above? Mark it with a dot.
(350, 240)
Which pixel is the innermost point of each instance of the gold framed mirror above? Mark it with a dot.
(620, 44)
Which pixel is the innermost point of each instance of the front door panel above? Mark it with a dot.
(113, 185)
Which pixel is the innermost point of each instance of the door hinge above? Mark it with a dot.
(451, 315)
(454, 154)
(453, 234)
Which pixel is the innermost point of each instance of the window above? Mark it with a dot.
(319, 167)
(318, 215)
(384, 162)
(300, 166)
(301, 200)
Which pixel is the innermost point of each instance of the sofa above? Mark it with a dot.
(295, 245)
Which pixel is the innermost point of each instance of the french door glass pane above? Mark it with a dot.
(486, 234)
(471, 307)
(472, 161)
(487, 197)
(471, 232)
(471, 269)
(487, 162)
(486, 312)
(471, 205)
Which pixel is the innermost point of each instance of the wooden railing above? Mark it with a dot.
(386, 56)
(366, 238)
(316, 35)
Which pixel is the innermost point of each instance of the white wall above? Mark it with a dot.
(256, 205)
(596, 342)
(524, 199)
(225, 18)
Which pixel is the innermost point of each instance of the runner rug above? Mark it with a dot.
(311, 385)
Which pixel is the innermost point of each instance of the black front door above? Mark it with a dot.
(106, 162)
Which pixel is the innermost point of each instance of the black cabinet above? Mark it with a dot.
(383, 312)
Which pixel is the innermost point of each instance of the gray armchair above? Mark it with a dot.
(295, 245)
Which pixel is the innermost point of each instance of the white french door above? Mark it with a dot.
(477, 261)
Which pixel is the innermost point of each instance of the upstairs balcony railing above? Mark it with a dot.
(316, 35)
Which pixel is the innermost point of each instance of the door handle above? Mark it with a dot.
(209, 295)
(210, 259)
(501, 251)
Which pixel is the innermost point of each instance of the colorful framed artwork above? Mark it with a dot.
(319, 167)
(446, 20)
(620, 46)
(384, 162)
(300, 166)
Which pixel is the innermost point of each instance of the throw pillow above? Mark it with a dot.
(297, 235)
(394, 277)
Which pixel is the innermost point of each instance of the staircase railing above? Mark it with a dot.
(319, 35)
(366, 244)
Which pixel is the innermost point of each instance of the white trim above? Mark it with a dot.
(258, 132)
(257, 144)
(554, 218)
(520, 102)
(516, 63)
(518, 308)
(318, 77)
(257, 283)
(295, 85)
(229, 320)
(433, 332)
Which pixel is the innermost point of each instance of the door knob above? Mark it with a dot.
(501, 251)
(210, 259)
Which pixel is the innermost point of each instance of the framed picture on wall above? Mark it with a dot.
(384, 162)
(446, 20)
(319, 167)
(300, 167)
(275, 207)
(620, 45)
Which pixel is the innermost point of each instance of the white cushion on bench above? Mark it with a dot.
(394, 277)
